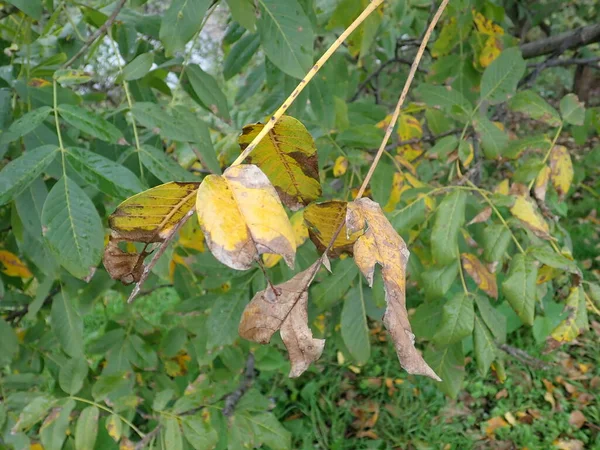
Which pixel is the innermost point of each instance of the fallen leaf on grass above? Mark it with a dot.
(572, 444)
(494, 424)
(283, 308)
(577, 419)
(380, 244)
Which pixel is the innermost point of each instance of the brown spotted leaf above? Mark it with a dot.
(242, 217)
(380, 244)
(323, 220)
(486, 281)
(283, 308)
(288, 156)
(561, 169)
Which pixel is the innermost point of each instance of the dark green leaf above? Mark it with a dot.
(496, 238)
(199, 433)
(72, 374)
(29, 205)
(67, 325)
(139, 67)
(485, 349)
(533, 105)
(446, 98)
(493, 318)
(206, 91)
(9, 345)
(457, 320)
(449, 364)
(240, 54)
(223, 320)
(86, 430)
(354, 328)
(450, 216)
(332, 289)
(180, 22)
(437, 281)
(25, 124)
(520, 287)
(90, 123)
(32, 8)
(162, 166)
(493, 139)
(548, 256)
(243, 12)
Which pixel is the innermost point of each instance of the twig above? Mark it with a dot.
(565, 41)
(592, 62)
(146, 439)
(15, 316)
(524, 357)
(158, 254)
(232, 399)
(411, 75)
(375, 75)
(309, 76)
(98, 33)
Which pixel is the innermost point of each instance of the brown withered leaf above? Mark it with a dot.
(283, 308)
(149, 217)
(323, 220)
(484, 215)
(380, 244)
(486, 281)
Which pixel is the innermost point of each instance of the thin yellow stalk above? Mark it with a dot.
(309, 76)
(411, 75)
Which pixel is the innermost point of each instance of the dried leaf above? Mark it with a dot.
(541, 184)
(577, 419)
(484, 215)
(527, 212)
(288, 156)
(242, 217)
(13, 266)
(493, 424)
(571, 444)
(380, 244)
(283, 308)
(561, 169)
(123, 266)
(323, 220)
(485, 280)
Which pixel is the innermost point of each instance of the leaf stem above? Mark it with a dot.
(411, 75)
(56, 120)
(98, 405)
(309, 76)
(462, 275)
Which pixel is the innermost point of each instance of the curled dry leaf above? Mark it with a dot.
(486, 281)
(288, 156)
(380, 244)
(484, 215)
(283, 308)
(242, 217)
(148, 217)
(526, 210)
(323, 220)
(561, 169)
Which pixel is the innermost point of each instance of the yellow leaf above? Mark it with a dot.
(503, 187)
(485, 25)
(576, 321)
(284, 308)
(323, 220)
(13, 266)
(300, 233)
(340, 166)
(380, 244)
(126, 444)
(114, 426)
(191, 236)
(526, 210)
(546, 273)
(490, 51)
(242, 217)
(561, 169)
(288, 157)
(405, 162)
(493, 424)
(409, 128)
(398, 187)
(485, 280)
(383, 124)
(36, 446)
(541, 183)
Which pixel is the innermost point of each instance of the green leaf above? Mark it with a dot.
(154, 118)
(206, 92)
(354, 328)
(102, 173)
(332, 289)
(139, 67)
(450, 216)
(484, 347)
(244, 13)
(25, 124)
(67, 325)
(199, 433)
(71, 77)
(90, 123)
(173, 341)
(9, 344)
(494, 319)
(72, 375)
(457, 320)
(496, 238)
(35, 411)
(72, 228)
(162, 166)
(520, 287)
(17, 175)
(240, 54)
(446, 98)
(426, 320)
(548, 256)
(180, 22)
(449, 364)
(53, 431)
(114, 427)
(533, 105)
(223, 320)
(29, 206)
(140, 353)
(500, 79)
(86, 430)
(407, 217)
(518, 146)
(444, 146)
(269, 431)
(572, 110)
(437, 281)
(32, 8)
(493, 139)
(286, 36)
(172, 436)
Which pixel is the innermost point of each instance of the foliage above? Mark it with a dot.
(122, 146)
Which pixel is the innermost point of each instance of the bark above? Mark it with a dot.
(561, 42)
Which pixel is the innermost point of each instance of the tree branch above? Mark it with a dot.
(97, 34)
(565, 41)
(232, 399)
(524, 357)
